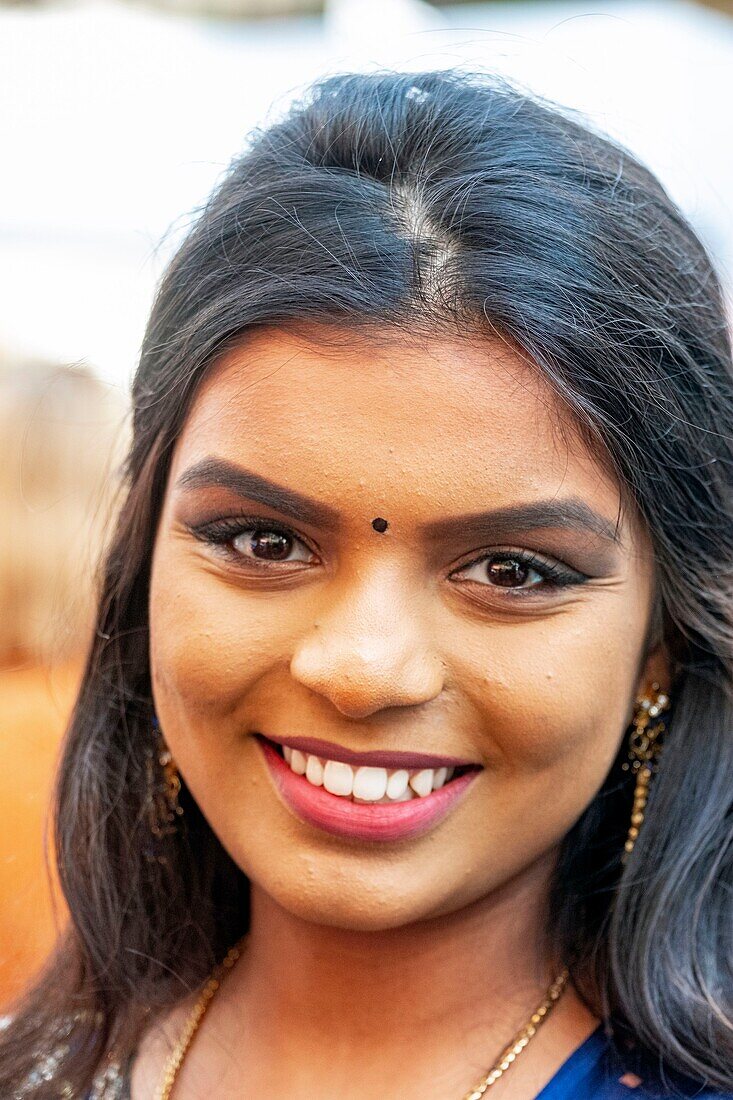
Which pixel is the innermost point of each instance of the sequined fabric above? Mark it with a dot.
(112, 1082)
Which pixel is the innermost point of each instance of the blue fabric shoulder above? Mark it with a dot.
(596, 1071)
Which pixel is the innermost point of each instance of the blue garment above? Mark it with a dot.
(594, 1072)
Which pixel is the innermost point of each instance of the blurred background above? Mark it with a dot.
(116, 120)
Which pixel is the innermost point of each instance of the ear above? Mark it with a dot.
(658, 665)
(657, 669)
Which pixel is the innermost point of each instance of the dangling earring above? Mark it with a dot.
(163, 784)
(644, 749)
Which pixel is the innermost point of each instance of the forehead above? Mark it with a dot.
(393, 417)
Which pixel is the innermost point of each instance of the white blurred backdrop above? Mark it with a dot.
(117, 119)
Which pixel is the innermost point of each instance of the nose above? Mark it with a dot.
(371, 647)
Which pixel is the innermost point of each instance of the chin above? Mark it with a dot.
(366, 903)
(375, 908)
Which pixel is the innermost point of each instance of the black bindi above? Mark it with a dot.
(380, 524)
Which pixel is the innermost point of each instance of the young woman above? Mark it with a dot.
(410, 695)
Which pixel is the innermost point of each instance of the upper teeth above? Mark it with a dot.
(366, 784)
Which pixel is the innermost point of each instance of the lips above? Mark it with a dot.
(375, 758)
(396, 815)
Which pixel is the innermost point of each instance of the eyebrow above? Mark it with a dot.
(216, 473)
(569, 514)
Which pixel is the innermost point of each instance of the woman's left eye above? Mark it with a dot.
(518, 571)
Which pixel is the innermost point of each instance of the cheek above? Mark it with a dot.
(209, 643)
(554, 689)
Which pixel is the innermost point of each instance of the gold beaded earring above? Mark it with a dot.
(644, 748)
(163, 786)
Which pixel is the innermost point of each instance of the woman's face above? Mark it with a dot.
(499, 620)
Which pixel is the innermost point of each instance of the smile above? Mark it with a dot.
(365, 801)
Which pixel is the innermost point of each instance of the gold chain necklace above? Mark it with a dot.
(502, 1064)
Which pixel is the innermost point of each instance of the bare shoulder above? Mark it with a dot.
(155, 1047)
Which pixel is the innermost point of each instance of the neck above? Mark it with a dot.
(423, 1009)
(486, 964)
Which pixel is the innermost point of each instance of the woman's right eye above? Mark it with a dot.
(270, 546)
(261, 544)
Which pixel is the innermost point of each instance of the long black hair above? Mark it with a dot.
(433, 200)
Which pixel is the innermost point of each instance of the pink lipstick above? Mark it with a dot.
(378, 821)
(374, 757)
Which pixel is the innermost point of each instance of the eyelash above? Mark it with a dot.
(554, 574)
(222, 532)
